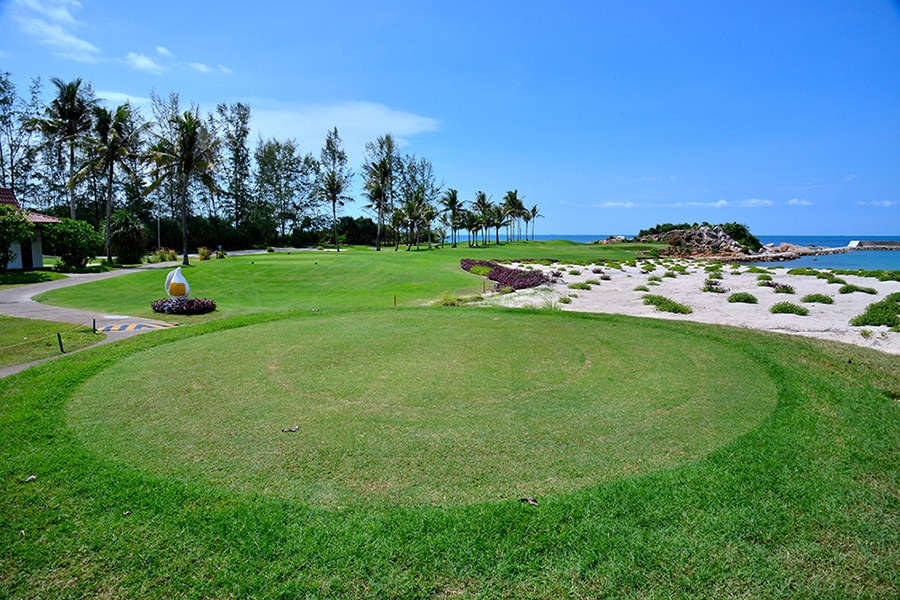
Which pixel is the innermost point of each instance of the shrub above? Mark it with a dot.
(575, 272)
(780, 288)
(221, 253)
(565, 300)
(744, 297)
(516, 279)
(203, 253)
(712, 285)
(605, 277)
(715, 275)
(579, 285)
(270, 249)
(671, 274)
(654, 278)
(480, 270)
(884, 312)
(184, 306)
(667, 305)
(163, 255)
(75, 242)
(592, 281)
(642, 288)
(14, 227)
(788, 308)
(763, 277)
(128, 237)
(817, 298)
(850, 288)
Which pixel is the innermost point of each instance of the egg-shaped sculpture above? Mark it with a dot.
(176, 285)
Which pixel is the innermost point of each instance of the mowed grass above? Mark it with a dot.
(140, 490)
(25, 340)
(431, 406)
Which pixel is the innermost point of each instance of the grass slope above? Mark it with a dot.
(804, 503)
(25, 340)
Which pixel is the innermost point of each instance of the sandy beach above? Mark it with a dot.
(617, 295)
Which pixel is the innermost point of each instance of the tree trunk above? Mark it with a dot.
(109, 189)
(184, 241)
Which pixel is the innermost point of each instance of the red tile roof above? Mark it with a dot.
(8, 197)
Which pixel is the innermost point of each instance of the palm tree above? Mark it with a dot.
(454, 206)
(429, 214)
(515, 209)
(191, 153)
(334, 177)
(67, 117)
(379, 172)
(115, 139)
(472, 223)
(498, 219)
(482, 205)
(535, 215)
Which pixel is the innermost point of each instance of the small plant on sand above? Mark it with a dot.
(763, 277)
(654, 278)
(884, 312)
(579, 285)
(743, 297)
(596, 270)
(866, 334)
(642, 288)
(837, 280)
(715, 275)
(817, 299)
(592, 281)
(565, 300)
(850, 288)
(712, 285)
(783, 308)
(575, 272)
(671, 274)
(667, 305)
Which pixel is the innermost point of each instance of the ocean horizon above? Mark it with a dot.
(858, 259)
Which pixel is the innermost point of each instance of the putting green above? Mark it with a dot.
(434, 406)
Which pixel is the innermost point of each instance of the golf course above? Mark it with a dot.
(358, 424)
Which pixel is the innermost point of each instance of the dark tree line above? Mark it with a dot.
(182, 179)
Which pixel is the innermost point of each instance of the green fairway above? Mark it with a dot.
(668, 459)
(431, 406)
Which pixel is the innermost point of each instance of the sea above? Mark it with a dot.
(858, 259)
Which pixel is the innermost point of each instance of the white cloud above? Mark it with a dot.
(199, 67)
(754, 203)
(879, 203)
(51, 23)
(616, 205)
(121, 98)
(225, 70)
(799, 202)
(142, 62)
(357, 123)
(716, 204)
(163, 51)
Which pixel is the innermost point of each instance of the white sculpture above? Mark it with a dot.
(176, 285)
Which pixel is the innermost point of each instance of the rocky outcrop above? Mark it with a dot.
(703, 241)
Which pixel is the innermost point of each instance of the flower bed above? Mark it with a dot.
(183, 306)
(517, 279)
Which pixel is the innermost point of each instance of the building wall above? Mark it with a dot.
(37, 252)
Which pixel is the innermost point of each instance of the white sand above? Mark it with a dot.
(617, 296)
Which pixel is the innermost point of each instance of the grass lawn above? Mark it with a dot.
(25, 340)
(669, 459)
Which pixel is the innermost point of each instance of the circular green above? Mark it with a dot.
(430, 406)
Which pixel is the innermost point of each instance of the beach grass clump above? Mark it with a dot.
(565, 300)
(763, 276)
(879, 274)
(817, 299)
(837, 280)
(755, 269)
(451, 299)
(579, 285)
(788, 308)
(667, 304)
(780, 288)
(714, 286)
(743, 297)
(851, 288)
(713, 268)
(574, 272)
(806, 271)
(671, 274)
(592, 281)
(884, 312)
(655, 279)
(715, 275)
(641, 288)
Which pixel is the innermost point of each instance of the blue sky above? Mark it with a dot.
(610, 116)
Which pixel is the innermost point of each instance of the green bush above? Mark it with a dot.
(715, 275)
(579, 285)
(75, 242)
(654, 278)
(850, 288)
(744, 297)
(565, 300)
(204, 253)
(163, 255)
(817, 298)
(592, 281)
(884, 312)
(14, 227)
(788, 308)
(642, 288)
(480, 270)
(127, 237)
(763, 277)
(667, 305)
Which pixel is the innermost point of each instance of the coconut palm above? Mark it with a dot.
(454, 207)
(379, 173)
(190, 154)
(535, 215)
(115, 138)
(67, 118)
(512, 202)
(482, 206)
